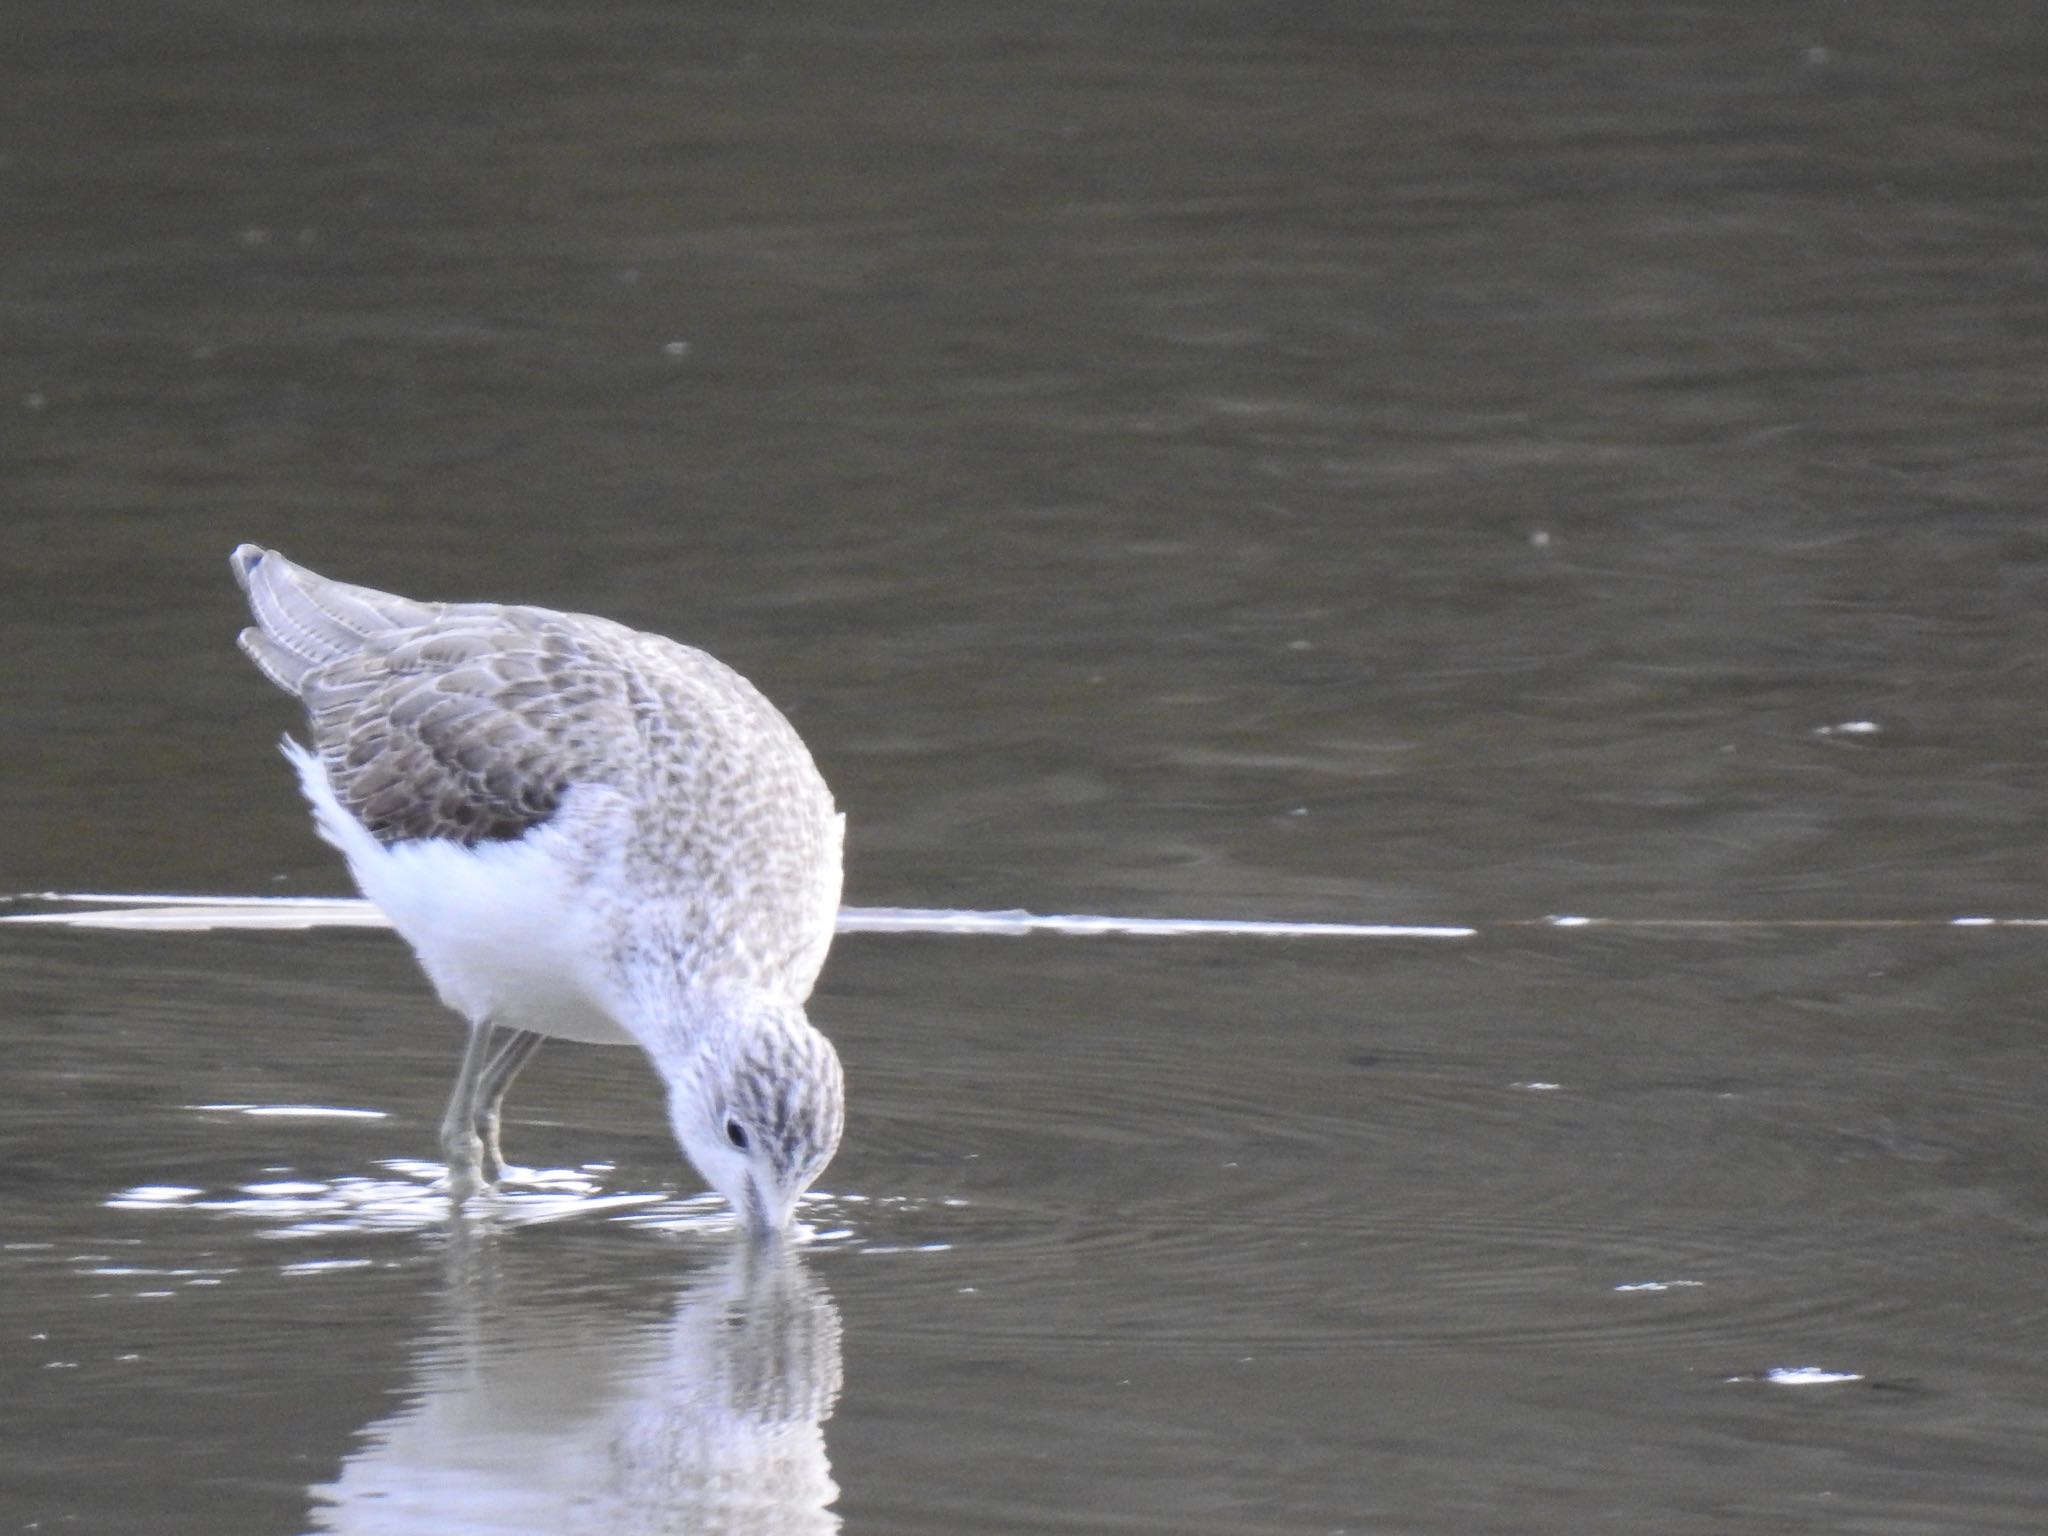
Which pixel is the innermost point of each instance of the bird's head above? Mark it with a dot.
(758, 1102)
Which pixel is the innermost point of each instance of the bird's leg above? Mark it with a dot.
(506, 1061)
(459, 1142)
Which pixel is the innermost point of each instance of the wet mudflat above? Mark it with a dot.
(1424, 467)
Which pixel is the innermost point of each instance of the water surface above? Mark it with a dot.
(1411, 464)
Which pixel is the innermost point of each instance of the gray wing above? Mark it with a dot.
(304, 620)
(466, 728)
(467, 722)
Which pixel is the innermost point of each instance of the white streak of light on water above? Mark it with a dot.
(169, 914)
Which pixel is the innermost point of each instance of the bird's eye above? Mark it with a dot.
(736, 1134)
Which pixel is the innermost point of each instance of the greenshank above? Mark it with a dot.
(585, 832)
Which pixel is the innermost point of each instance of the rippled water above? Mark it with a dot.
(1405, 465)
(1169, 1228)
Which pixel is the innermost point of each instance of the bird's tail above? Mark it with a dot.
(304, 621)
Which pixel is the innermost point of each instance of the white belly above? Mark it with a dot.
(497, 928)
(493, 928)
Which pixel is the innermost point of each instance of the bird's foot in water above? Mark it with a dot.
(467, 1176)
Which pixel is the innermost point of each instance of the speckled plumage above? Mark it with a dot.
(583, 830)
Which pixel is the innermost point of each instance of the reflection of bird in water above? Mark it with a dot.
(753, 1365)
(583, 831)
(551, 1419)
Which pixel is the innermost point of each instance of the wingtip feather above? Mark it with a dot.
(243, 562)
(284, 668)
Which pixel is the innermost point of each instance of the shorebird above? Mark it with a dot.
(585, 832)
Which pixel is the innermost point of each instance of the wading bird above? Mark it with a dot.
(586, 832)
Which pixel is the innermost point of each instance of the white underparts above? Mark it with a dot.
(497, 927)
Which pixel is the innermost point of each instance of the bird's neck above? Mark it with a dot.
(676, 1023)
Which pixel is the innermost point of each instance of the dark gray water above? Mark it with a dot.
(1452, 463)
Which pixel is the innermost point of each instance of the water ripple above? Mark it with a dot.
(409, 1196)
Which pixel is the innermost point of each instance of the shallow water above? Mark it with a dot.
(1435, 466)
(1525, 1229)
